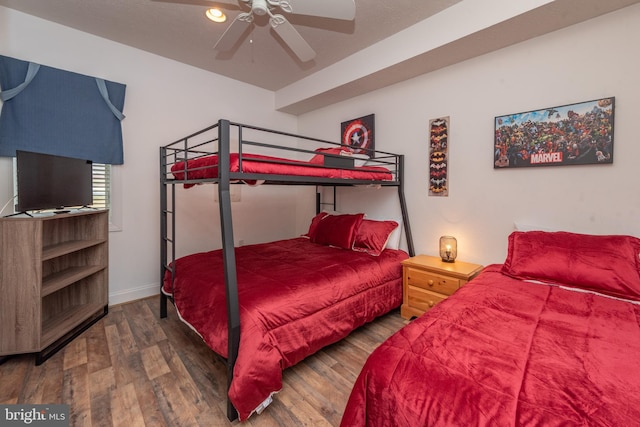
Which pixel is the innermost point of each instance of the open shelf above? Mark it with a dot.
(66, 320)
(59, 249)
(54, 281)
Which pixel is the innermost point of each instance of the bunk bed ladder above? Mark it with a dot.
(165, 240)
(403, 207)
(229, 257)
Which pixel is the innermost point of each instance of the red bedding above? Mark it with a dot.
(295, 298)
(503, 351)
(207, 167)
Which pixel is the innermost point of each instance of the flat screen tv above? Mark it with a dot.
(45, 181)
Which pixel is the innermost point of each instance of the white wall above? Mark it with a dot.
(165, 100)
(584, 62)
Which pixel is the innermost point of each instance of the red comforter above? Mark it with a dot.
(207, 167)
(295, 298)
(506, 352)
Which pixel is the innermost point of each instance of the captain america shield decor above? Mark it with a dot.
(358, 134)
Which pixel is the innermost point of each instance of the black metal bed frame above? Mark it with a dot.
(217, 139)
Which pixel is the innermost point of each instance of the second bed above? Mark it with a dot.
(295, 297)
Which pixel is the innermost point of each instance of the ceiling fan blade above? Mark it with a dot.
(336, 9)
(233, 33)
(206, 3)
(292, 38)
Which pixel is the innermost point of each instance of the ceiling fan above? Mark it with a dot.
(334, 9)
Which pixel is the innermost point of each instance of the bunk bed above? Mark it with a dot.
(550, 337)
(280, 307)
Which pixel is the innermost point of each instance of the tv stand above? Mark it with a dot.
(54, 280)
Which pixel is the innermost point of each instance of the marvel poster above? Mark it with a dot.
(571, 134)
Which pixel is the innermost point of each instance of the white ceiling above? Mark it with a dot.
(177, 29)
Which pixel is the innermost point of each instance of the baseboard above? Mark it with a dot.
(134, 294)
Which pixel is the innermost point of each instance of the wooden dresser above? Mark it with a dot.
(427, 280)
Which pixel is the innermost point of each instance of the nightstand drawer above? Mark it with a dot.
(432, 282)
(423, 300)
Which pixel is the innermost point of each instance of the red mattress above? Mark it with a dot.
(207, 167)
(295, 298)
(503, 351)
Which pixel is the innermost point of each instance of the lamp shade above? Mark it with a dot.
(448, 248)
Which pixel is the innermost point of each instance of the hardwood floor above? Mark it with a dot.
(134, 369)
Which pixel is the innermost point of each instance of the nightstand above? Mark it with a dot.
(427, 280)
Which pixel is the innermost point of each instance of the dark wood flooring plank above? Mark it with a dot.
(127, 341)
(280, 413)
(101, 384)
(125, 409)
(42, 384)
(134, 369)
(351, 360)
(153, 362)
(185, 382)
(115, 314)
(144, 324)
(148, 403)
(52, 383)
(176, 410)
(118, 358)
(302, 411)
(212, 418)
(14, 372)
(101, 411)
(75, 389)
(330, 384)
(75, 353)
(98, 356)
(318, 392)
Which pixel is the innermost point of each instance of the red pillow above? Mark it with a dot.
(605, 264)
(337, 230)
(372, 236)
(314, 224)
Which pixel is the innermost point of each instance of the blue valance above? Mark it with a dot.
(59, 112)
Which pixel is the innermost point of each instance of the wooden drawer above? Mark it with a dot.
(427, 280)
(423, 300)
(431, 281)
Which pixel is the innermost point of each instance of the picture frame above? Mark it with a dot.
(359, 134)
(439, 157)
(572, 134)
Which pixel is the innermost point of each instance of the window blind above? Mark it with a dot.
(101, 186)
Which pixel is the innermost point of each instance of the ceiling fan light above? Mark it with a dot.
(216, 15)
(260, 7)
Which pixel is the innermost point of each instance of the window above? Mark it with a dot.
(101, 186)
(106, 193)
